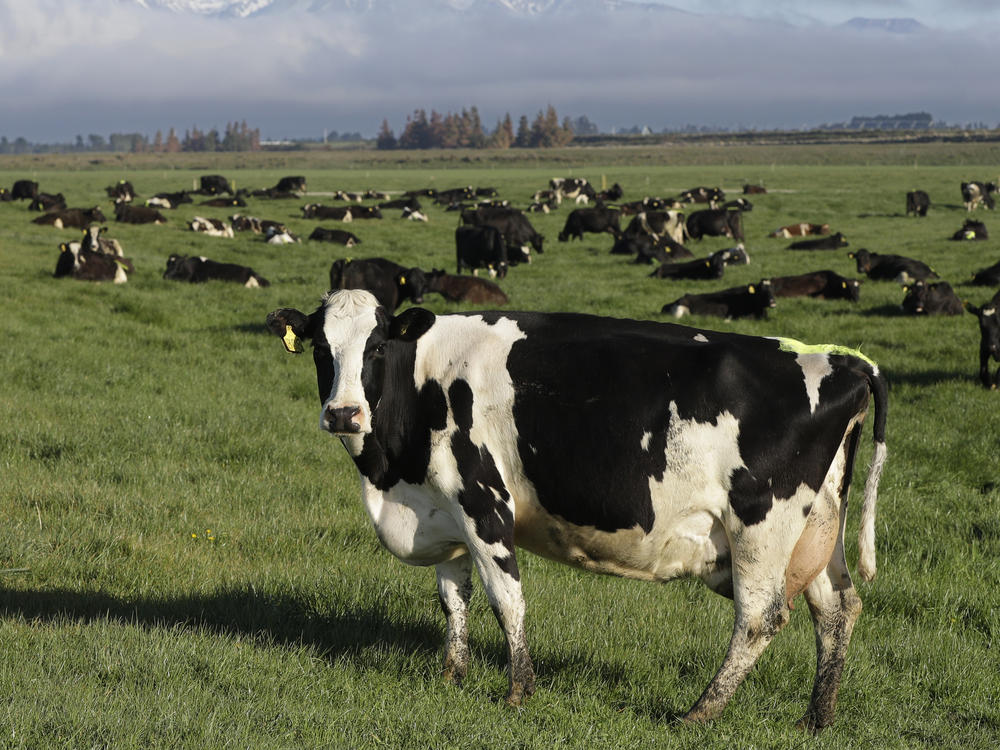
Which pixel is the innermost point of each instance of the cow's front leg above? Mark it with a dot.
(454, 584)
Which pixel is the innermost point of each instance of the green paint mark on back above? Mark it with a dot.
(797, 347)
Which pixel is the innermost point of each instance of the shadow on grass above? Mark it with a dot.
(886, 311)
(284, 621)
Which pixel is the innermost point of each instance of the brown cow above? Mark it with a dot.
(800, 230)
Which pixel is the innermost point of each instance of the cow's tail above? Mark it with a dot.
(866, 534)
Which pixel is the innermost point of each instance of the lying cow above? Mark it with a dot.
(971, 230)
(898, 268)
(198, 269)
(465, 289)
(80, 218)
(989, 340)
(339, 236)
(389, 282)
(931, 299)
(215, 184)
(24, 190)
(989, 276)
(560, 433)
(833, 242)
(715, 222)
(319, 211)
(48, 202)
(594, 220)
(237, 201)
(648, 248)
(974, 193)
(85, 264)
(121, 191)
(211, 227)
(752, 300)
(803, 229)
(712, 196)
(823, 284)
(169, 200)
(917, 203)
(481, 247)
(702, 269)
(754, 190)
(129, 214)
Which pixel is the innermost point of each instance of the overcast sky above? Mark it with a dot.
(71, 67)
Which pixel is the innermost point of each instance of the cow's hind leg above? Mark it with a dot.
(454, 584)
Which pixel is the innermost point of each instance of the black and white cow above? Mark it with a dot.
(824, 284)
(713, 196)
(169, 200)
(974, 193)
(80, 218)
(922, 298)
(339, 236)
(715, 222)
(989, 276)
(898, 268)
(659, 223)
(481, 247)
(211, 227)
(198, 269)
(802, 229)
(752, 300)
(389, 282)
(95, 241)
(319, 211)
(121, 191)
(648, 248)
(917, 203)
(617, 446)
(989, 340)
(84, 264)
(596, 220)
(971, 230)
(833, 242)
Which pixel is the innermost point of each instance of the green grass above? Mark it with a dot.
(136, 418)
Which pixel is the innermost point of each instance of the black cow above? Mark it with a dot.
(917, 203)
(197, 269)
(169, 200)
(752, 300)
(931, 299)
(129, 214)
(319, 211)
(974, 193)
(81, 218)
(834, 242)
(989, 340)
(391, 283)
(595, 220)
(296, 184)
(121, 191)
(754, 190)
(896, 268)
(702, 269)
(738, 204)
(465, 289)
(989, 276)
(24, 190)
(411, 203)
(454, 195)
(215, 184)
(971, 230)
(648, 248)
(635, 448)
(481, 247)
(90, 265)
(613, 193)
(824, 284)
(365, 212)
(339, 236)
(715, 222)
(48, 202)
(236, 201)
(5, 196)
(518, 233)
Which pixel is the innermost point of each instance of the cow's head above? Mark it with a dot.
(863, 259)
(850, 289)
(353, 341)
(989, 328)
(412, 284)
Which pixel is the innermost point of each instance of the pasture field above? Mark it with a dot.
(186, 562)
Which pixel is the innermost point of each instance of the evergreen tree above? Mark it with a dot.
(386, 139)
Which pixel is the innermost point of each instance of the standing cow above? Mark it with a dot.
(618, 446)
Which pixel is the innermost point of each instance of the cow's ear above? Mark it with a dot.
(971, 307)
(291, 326)
(411, 324)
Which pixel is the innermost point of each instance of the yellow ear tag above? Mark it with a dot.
(843, 284)
(292, 342)
(708, 263)
(402, 280)
(751, 289)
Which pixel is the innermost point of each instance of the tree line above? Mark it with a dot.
(235, 137)
(465, 130)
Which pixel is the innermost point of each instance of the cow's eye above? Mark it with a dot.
(380, 350)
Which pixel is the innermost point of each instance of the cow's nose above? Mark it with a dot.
(341, 419)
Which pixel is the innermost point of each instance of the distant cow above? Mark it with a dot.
(931, 299)
(365, 212)
(833, 242)
(296, 184)
(659, 223)
(701, 269)
(339, 236)
(121, 191)
(989, 276)
(917, 203)
(595, 220)
(129, 214)
(710, 195)
(215, 184)
(465, 289)
(211, 227)
(971, 230)
(391, 283)
(88, 265)
(753, 300)
(738, 204)
(413, 215)
(48, 202)
(319, 211)
(169, 200)
(518, 233)
(24, 190)
(412, 203)
(221, 202)
(974, 193)
(896, 268)
(81, 218)
(5, 196)
(802, 229)
(613, 193)
(648, 248)
(715, 222)
(989, 339)
(754, 189)
(823, 284)
(198, 269)
(481, 247)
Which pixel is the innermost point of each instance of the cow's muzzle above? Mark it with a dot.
(341, 420)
